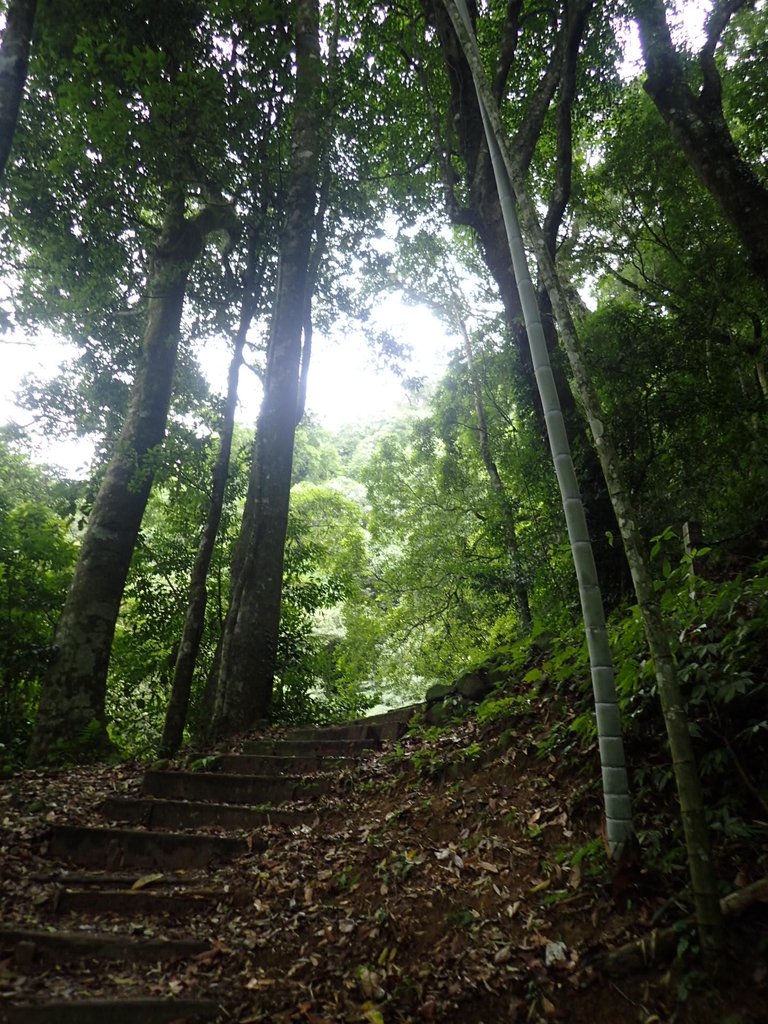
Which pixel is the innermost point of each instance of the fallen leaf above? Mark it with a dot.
(372, 1014)
(428, 1010)
(208, 955)
(554, 952)
(146, 880)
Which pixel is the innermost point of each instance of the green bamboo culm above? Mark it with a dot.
(617, 803)
(709, 918)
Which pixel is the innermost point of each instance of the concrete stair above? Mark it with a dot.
(154, 813)
(112, 1011)
(103, 871)
(274, 765)
(220, 787)
(34, 946)
(112, 848)
(331, 746)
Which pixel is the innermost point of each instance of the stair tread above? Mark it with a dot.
(123, 1010)
(61, 946)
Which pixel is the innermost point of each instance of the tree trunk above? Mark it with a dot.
(14, 60)
(194, 622)
(618, 815)
(71, 716)
(249, 642)
(484, 216)
(703, 878)
(699, 127)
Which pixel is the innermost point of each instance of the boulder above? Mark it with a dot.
(437, 692)
(474, 686)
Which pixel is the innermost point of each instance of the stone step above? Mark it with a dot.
(131, 903)
(133, 894)
(391, 725)
(221, 788)
(278, 764)
(185, 814)
(30, 947)
(404, 714)
(388, 726)
(114, 849)
(311, 747)
(113, 1011)
(356, 731)
(113, 879)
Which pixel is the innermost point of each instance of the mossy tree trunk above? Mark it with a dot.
(697, 123)
(71, 720)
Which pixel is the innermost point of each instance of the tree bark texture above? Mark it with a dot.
(701, 866)
(71, 715)
(250, 637)
(698, 125)
(14, 60)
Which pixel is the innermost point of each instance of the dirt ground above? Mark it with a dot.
(461, 880)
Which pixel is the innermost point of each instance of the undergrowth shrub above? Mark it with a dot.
(719, 637)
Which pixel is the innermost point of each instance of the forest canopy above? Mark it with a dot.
(177, 172)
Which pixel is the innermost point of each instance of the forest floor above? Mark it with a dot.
(455, 879)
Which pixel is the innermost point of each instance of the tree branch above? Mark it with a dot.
(717, 22)
(509, 41)
(561, 193)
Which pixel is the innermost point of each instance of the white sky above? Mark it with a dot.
(345, 385)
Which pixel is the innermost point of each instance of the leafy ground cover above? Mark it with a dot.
(456, 876)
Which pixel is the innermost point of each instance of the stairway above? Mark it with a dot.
(156, 857)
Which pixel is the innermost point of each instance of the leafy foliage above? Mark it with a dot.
(37, 552)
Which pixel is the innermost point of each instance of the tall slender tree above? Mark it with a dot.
(618, 814)
(510, 176)
(189, 644)
(249, 641)
(538, 56)
(71, 713)
(440, 289)
(178, 206)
